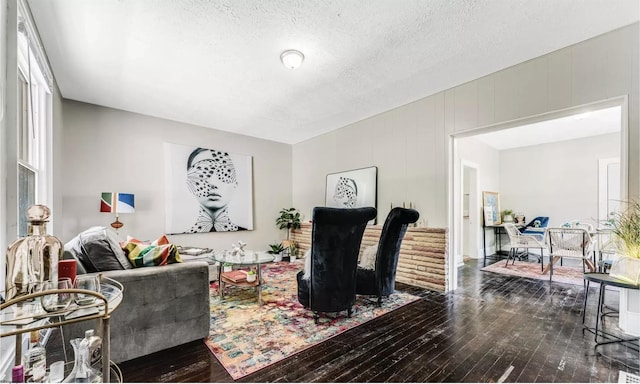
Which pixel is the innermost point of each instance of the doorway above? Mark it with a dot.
(470, 212)
(514, 156)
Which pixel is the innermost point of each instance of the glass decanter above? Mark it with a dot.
(33, 259)
(82, 371)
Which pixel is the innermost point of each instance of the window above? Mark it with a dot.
(34, 125)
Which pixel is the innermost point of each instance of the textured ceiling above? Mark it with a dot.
(216, 63)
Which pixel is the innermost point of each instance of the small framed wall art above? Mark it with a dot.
(352, 189)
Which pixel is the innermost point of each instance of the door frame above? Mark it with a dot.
(454, 199)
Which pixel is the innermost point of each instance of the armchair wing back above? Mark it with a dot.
(381, 281)
(336, 235)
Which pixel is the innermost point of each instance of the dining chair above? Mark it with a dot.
(518, 241)
(573, 243)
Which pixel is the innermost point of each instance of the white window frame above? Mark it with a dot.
(38, 157)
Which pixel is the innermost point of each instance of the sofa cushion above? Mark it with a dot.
(97, 249)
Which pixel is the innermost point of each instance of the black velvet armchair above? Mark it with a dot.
(381, 281)
(336, 235)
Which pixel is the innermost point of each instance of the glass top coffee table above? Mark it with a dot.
(237, 277)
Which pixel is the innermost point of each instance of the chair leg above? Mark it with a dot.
(379, 301)
(584, 307)
(349, 312)
(316, 317)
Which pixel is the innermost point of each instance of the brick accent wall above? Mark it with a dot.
(423, 254)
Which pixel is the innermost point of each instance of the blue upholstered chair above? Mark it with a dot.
(536, 227)
(381, 281)
(336, 235)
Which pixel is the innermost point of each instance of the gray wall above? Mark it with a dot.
(411, 144)
(109, 150)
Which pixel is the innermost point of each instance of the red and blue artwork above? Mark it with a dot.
(115, 202)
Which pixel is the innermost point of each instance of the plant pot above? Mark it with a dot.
(251, 278)
(277, 257)
(508, 219)
(292, 259)
(227, 268)
(629, 317)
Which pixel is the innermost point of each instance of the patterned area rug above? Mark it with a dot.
(561, 274)
(246, 337)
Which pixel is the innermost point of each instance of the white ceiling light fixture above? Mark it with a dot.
(292, 59)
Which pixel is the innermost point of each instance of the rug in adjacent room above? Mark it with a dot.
(246, 337)
(531, 270)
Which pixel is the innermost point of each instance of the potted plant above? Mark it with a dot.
(251, 276)
(507, 216)
(289, 219)
(626, 227)
(227, 267)
(276, 250)
(293, 251)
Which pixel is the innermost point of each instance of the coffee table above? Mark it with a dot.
(250, 259)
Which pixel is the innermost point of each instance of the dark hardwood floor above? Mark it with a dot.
(492, 327)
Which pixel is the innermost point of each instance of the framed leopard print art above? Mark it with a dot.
(352, 189)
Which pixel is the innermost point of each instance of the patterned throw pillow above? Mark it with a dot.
(368, 259)
(158, 252)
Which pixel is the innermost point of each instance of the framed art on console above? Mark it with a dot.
(207, 190)
(491, 204)
(352, 189)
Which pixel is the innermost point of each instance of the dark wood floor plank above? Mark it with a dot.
(366, 357)
(473, 334)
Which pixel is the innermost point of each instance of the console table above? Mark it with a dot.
(498, 231)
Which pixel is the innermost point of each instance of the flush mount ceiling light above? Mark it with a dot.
(292, 59)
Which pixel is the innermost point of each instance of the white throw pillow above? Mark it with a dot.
(368, 259)
(307, 265)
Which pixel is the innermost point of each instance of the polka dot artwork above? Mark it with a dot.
(199, 174)
(346, 192)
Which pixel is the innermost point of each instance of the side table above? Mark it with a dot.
(603, 279)
(250, 259)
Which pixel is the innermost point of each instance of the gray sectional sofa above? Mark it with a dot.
(162, 306)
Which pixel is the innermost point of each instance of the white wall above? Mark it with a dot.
(410, 145)
(408, 154)
(113, 150)
(559, 180)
